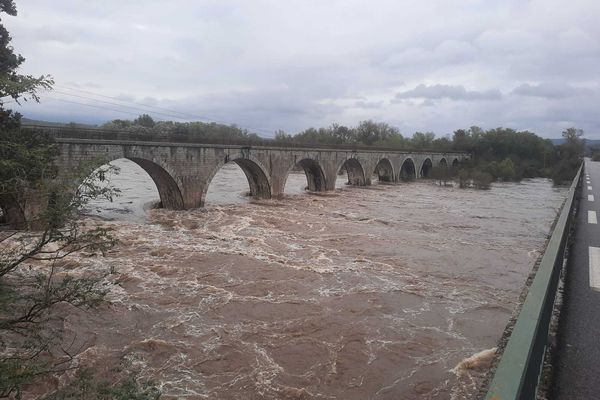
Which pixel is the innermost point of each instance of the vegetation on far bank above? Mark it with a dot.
(498, 154)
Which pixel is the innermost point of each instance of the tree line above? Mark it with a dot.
(502, 153)
(145, 124)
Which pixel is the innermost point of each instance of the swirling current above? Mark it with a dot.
(393, 291)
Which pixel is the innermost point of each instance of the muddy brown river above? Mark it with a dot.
(362, 293)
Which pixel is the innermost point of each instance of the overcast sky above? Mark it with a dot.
(267, 65)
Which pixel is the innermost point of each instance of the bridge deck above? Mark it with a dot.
(78, 135)
(578, 353)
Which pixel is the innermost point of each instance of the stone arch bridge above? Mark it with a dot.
(182, 171)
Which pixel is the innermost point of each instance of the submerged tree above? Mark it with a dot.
(441, 174)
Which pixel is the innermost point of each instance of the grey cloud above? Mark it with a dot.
(262, 110)
(551, 90)
(55, 34)
(453, 92)
(262, 65)
(445, 53)
(368, 104)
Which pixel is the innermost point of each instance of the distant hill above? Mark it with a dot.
(592, 143)
(27, 121)
(588, 142)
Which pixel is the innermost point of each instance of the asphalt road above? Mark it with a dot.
(577, 373)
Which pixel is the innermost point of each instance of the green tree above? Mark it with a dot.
(144, 120)
(441, 174)
(23, 158)
(13, 85)
(574, 146)
(442, 144)
(481, 180)
(507, 170)
(461, 139)
(464, 178)
(422, 140)
(570, 156)
(343, 134)
(281, 136)
(373, 133)
(595, 153)
(504, 170)
(33, 275)
(530, 155)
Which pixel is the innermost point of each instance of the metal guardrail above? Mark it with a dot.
(67, 132)
(518, 372)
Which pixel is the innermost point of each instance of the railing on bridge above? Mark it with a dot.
(518, 372)
(175, 137)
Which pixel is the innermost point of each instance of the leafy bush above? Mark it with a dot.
(441, 174)
(482, 180)
(564, 172)
(474, 179)
(504, 170)
(464, 179)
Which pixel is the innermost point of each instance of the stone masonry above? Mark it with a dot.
(182, 172)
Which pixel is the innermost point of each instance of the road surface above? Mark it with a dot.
(577, 364)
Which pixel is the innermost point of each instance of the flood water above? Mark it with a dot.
(362, 293)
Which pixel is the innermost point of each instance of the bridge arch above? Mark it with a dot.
(408, 170)
(256, 174)
(22, 214)
(384, 170)
(168, 189)
(443, 163)
(425, 169)
(315, 176)
(161, 174)
(355, 171)
(455, 162)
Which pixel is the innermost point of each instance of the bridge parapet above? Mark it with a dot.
(174, 138)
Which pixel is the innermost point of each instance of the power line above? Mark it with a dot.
(91, 105)
(160, 108)
(113, 109)
(126, 101)
(189, 115)
(119, 105)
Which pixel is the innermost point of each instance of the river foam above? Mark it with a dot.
(386, 292)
